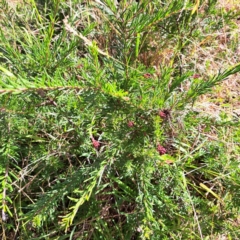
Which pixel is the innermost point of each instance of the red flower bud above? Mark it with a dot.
(161, 149)
(95, 143)
(130, 124)
(162, 114)
(196, 76)
(147, 75)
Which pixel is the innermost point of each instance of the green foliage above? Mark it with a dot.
(98, 138)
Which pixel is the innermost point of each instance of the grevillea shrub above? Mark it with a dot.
(98, 139)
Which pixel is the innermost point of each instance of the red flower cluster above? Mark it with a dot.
(147, 75)
(130, 124)
(162, 114)
(196, 76)
(95, 143)
(162, 150)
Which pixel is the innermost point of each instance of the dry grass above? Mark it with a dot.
(221, 54)
(14, 3)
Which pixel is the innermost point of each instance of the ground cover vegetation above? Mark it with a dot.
(103, 130)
